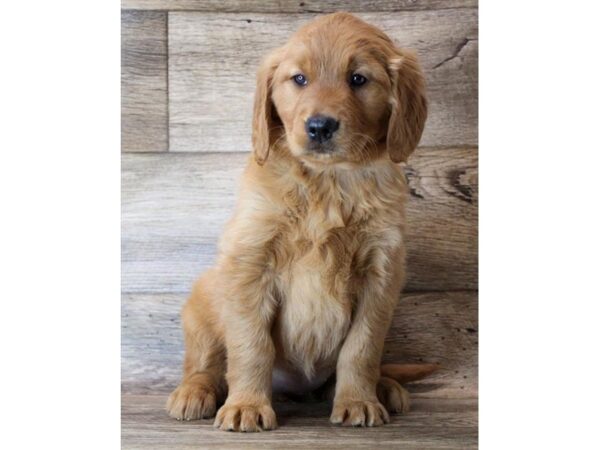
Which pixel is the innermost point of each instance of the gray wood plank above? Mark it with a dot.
(295, 6)
(432, 424)
(439, 327)
(175, 205)
(144, 116)
(213, 59)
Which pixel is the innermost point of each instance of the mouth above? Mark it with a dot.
(318, 153)
(321, 148)
(325, 154)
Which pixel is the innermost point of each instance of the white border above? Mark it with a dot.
(60, 230)
(539, 225)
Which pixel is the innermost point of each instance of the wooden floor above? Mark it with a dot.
(433, 423)
(187, 84)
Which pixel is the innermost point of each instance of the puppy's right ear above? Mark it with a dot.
(264, 119)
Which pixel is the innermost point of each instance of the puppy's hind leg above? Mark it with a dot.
(389, 390)
(203, 383)
(393, 396)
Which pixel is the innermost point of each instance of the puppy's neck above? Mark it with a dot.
(312, 174)
(344, 192)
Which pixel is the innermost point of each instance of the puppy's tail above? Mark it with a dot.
(405, 373)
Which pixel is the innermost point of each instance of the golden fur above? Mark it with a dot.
(311, 265)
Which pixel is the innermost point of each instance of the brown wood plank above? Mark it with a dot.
(213, 59)
(442, 216)
(144, 116)
(431, 424)
(175, 205)
(295, 6)
(438, 327)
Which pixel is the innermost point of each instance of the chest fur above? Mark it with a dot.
(316, 306)
(324, 232)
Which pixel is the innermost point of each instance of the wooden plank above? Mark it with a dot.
(442, 216)
(438, 327)
(213, 60)
(144, 117)
(295, 6)
(174, 207)
(432, 424)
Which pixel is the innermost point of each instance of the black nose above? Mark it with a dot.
(321, 128)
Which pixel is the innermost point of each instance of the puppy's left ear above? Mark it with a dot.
(408, 106)
(265, 116)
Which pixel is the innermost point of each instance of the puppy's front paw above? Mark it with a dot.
(192, 401)
(359, 413)
(246, 417)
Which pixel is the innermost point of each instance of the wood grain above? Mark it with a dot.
(174, 207)
(431, 424)
(442, 216)
(144, 117)
(295, 6)
(213, 59)
(438, 327)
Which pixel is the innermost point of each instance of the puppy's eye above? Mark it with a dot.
(300, 80)
(357, 80)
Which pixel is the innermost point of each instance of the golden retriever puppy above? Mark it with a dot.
(311, 265)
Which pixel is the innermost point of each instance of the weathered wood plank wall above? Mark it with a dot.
(187, 86)
(144, 116)
(295, 6)
(175, 205)
(436, 327)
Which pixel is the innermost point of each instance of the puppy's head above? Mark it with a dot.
(339, 91)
